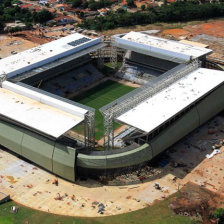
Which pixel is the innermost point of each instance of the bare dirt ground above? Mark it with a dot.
(24, 40)
(30, 185)
(215, 28)
(196, 201)
(211, 34)
(176, 33)
(18, 44)
(156, 26)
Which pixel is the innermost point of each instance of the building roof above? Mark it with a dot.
(159, 47)
(60, 5)
(193, 43)
(38, 111)
(26, 6)
(103, 10)
(63, 17)
(46, 53)
(161, 107)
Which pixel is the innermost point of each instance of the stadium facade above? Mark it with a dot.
(176, 96)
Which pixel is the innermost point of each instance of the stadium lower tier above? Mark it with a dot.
(69, 163)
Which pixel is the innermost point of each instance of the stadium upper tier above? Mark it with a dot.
(159, 47)
(46, 53)
(164, 105)
(37, 111)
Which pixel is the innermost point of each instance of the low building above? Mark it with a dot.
(9, 26)
(61, 7)
(103, 11)
(43, 2)
(26, 6)
(62, 20)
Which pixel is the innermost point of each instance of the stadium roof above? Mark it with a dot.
(44, 54)
(161, 107)
(159, 47)
(37, 111)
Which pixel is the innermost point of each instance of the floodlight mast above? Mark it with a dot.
(113, 56)
(89, 130)
(3, 77)
(117, 108)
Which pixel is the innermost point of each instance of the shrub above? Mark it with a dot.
(219, 214)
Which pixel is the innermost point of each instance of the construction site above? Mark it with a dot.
(79, 141)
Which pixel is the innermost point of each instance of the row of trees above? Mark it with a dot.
(92, 4)
(175, 12)
(8, 13)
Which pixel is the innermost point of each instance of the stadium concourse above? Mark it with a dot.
(40, 124)
(31, 186)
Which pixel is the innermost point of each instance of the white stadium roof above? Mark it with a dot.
(159, 47)
(159, 108)
(46, 53)
(38, 111)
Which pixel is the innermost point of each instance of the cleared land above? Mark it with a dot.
(156, 214)
(99, 96)
(32, 186)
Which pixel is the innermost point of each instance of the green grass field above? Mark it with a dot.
(155, 214)
(99, 96)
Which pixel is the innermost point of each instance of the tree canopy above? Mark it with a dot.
(9, 13)
(174, 12)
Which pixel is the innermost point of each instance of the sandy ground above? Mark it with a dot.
(9, 44)
(214, 38)
(215, 28)
(32, 186)
(24, 40)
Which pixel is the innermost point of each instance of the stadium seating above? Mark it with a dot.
(136, 74)
(72, 81)
(140, 69)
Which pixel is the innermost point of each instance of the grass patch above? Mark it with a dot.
(155, 214)
(99, 96)
(6, 220)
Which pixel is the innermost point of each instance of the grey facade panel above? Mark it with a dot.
(64, 161)
(175, 131)
(119, 160)
(211, 105)
(38, 149)
(11, 137)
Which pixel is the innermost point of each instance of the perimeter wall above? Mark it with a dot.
(64, 161)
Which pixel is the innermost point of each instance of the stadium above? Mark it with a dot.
(61, 110)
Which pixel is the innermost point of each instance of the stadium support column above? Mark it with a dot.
(90, 130)
(100, 59)
(113, 56)
(108, 132)
(2, 79)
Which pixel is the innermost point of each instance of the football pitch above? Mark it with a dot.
(99, 96)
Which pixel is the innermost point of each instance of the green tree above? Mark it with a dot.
(76, 3)
(1, 25)
(94, 5)
(42, 16)
(219, 214)
(130, 3)
(15, 29)
(142, 7)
